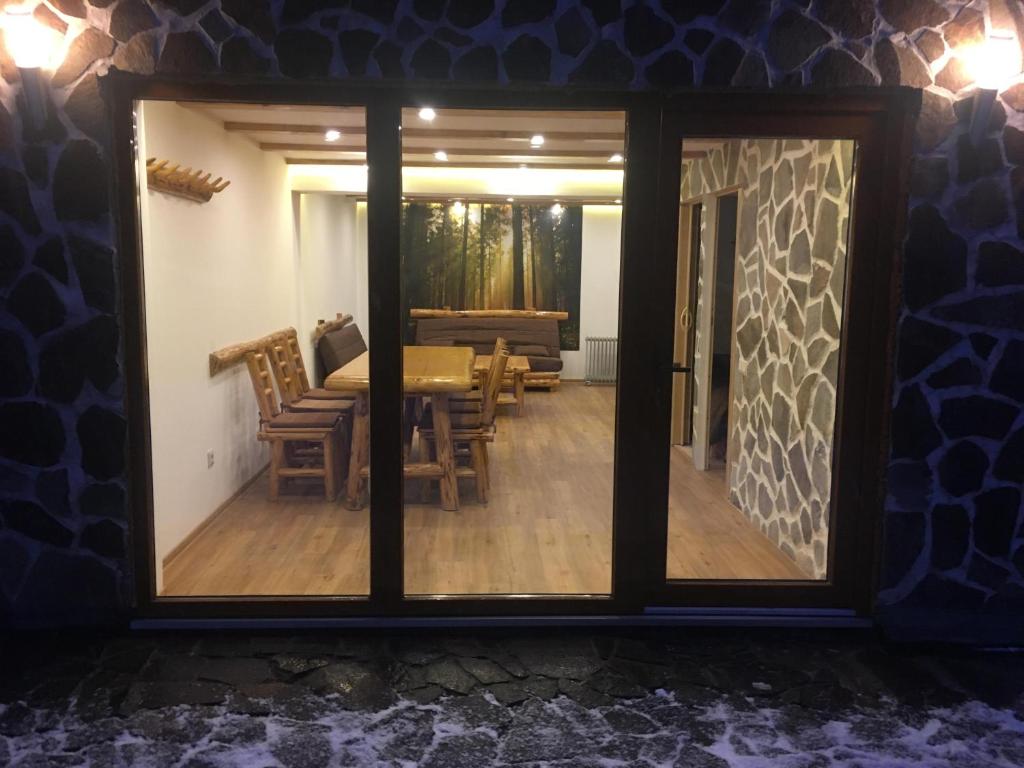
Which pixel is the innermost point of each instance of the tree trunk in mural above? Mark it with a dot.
(463, 262)
(512, 256)
(483, 259)
(533, 256)
(518, 293)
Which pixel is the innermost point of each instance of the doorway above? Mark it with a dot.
(637, 430)
(687, 270)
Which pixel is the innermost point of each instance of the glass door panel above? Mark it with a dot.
(255, 290)
(510, 241)
(762, 270)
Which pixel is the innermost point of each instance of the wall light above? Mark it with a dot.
(441, 155)
(536, 141)
(34, 48)
(332, 135)
(994, 64)
(616, 158)
(427, 114)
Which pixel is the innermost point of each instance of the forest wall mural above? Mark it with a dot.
(479, 255)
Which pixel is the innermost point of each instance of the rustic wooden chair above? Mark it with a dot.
(293, 383)
(302, 444)
(472, 426)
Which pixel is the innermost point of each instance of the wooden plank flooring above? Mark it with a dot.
(547, 528)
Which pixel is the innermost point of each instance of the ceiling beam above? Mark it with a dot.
(440, 134)
(457, 164)
(470, 151)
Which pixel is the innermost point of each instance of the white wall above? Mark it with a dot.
(599, 282)
(332, 263)
(215, 274)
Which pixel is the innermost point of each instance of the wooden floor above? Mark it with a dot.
(546, 529)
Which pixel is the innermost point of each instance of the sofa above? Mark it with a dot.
(535, 338)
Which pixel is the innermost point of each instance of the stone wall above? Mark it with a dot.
(952, 522)
(794, 203)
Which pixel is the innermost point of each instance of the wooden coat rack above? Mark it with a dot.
(192, 185)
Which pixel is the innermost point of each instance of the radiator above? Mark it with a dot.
(602, 359)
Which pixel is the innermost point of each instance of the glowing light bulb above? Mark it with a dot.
(618, 201)
(458, 207)
(427, 114)
(332, 135)
(556, 209)
(616, 158)
(441, 155)
(31, 45)
(537, 141)
(995, 63)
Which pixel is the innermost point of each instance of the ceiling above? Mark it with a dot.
(469, 137)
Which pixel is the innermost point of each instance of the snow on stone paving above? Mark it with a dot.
(554, 699)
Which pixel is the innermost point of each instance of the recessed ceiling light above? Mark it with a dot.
(427, 114)
(441, 155)
(537, 140)
(616, 158)
(332, 134)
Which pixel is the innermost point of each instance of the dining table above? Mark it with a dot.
(434, 372)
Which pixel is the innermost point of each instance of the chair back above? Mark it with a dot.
(492, 387)
(289, 369)
(262, 384)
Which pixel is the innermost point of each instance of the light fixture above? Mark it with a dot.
(332, 134)
(523, 166)
(441, 155)
(556, 209)
(458, 207)
(616, 158)
(510, 199)
(536, 141)
(33, 47)
(994, 63)
(428, 114)
(618, 201)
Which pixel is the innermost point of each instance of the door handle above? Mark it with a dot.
(684, 318)
(680, 368)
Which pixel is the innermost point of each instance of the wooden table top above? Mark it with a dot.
(515, 364)
(426, 370)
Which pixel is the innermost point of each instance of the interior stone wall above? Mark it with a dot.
(954, 549)
(794, 202)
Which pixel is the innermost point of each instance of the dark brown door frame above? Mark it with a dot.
(881, 122)
(648, 249)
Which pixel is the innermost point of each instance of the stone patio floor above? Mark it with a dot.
(680, 697)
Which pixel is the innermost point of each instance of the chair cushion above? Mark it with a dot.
(546, 364)
(332, 406)
(319, 393)
(336, 348)
(534, 350)
(459, 419)
(292, 420)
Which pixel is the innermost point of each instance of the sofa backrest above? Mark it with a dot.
(336, 348)
(480, 332)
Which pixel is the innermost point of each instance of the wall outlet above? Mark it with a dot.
(209, 458)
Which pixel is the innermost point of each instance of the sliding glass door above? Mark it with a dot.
(556, 353)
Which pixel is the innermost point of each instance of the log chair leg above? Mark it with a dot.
(425, 459)
(330, 465)
(445, 451)
(276, 461)
(360, 452)
(476, 457)
(520, 384)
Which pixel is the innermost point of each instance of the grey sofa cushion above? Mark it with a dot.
(336, 348)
